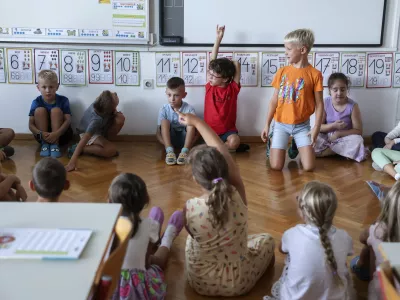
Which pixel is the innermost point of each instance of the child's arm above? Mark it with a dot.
(220, 35)
(273, 103)
(7, 184)
(319, 113)
(357, 125)
(392, 137)
(213, 140)
(364, 235)
(238, 69)
(79, 148)
(32, 126)
(280, 248)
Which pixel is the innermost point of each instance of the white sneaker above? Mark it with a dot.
(376, 167)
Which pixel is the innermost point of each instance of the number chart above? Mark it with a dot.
(353, 66)
(19, 62)
(101, 67)
(73, 67)
(327, 63)
(127, 68)
(47, 59)
(249, 68)
(270, 63)
(396, 71)
(168, 64)
(194, 68)
(379, 71)
(2, 66)
(228, 55)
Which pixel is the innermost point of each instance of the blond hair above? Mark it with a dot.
(48, 75)
(318, 204)
(390, 214)
(302, 37)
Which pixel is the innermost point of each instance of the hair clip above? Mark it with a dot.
(216, 180)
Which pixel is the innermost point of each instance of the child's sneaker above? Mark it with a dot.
(55, 151)
(182, 158)
(376, 167)
(45, 150)
(293, 151)
(8, 150)
(170, 158)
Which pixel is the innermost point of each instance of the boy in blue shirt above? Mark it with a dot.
(50, 116)
(170, 132)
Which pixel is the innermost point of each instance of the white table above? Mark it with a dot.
(56, 279)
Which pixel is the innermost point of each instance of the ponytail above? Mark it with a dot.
(218, 200)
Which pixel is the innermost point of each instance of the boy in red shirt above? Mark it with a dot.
(222, 91)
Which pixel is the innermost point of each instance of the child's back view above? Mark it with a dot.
(315, 266)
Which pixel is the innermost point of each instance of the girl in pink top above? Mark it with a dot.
(341, 129)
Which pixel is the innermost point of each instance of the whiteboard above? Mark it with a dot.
(266, 22)
(75, 21)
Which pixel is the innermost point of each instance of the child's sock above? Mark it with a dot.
(397, 176)
(175, 225)
(185, 150)
(169, 149)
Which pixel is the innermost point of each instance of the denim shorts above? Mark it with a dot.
(224, 136)
(281, 133)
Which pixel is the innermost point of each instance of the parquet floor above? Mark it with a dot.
(271, 196)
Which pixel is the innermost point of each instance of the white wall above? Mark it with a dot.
(378, 106)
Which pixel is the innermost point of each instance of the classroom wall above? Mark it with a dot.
(378, 106)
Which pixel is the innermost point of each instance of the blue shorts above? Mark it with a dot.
(281, 133)
(224, 136)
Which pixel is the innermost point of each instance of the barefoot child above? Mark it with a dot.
(100, 122)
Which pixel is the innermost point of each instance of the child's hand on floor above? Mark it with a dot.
(71, 167)
(20, 193)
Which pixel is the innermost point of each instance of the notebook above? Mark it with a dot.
(42, 243)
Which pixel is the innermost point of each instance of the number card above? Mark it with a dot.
(396, 71)
(194, 68)
(2, 66)
(271, 63)
(101, 67)
(379, 72)
(353, 66)
(249, 68)
(46, 59)
(73, 67)
(20, 69)
(168, 64)
(327, 63)
(228, 55)
(127, 68)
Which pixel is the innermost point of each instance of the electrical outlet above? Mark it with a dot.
(148, 84)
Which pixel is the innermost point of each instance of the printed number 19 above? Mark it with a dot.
(377, 64)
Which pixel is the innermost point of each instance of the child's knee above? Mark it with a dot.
(41, 112)
(56, 111)
(376, 154)
(110, 150)
(8, 134)
(119, 119)
(309, 167)
(233, 141)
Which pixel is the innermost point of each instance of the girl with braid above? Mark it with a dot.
(315, 266)
(221, 259)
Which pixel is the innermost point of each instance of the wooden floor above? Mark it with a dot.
(271, 196)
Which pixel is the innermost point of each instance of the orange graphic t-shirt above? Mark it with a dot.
(296, 98)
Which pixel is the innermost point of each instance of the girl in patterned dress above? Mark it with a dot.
(341, 129)
(221, 259)
(142, 275)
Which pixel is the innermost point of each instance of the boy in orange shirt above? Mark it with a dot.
(297, 95)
